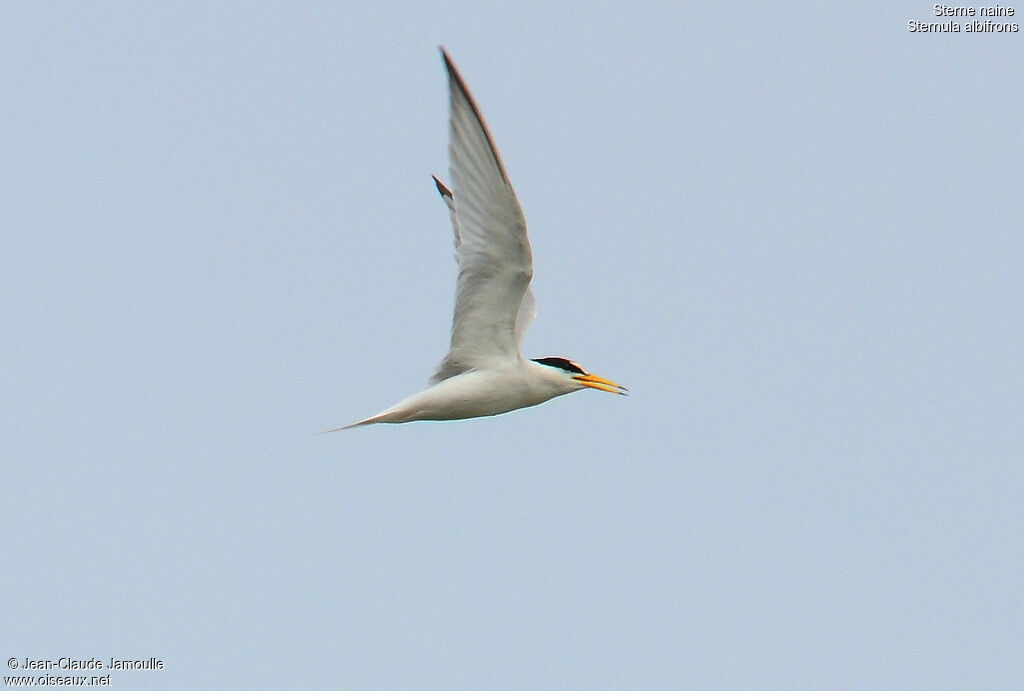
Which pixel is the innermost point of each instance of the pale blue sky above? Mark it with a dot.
(794, 230)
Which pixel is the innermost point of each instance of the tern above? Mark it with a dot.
(484, 373)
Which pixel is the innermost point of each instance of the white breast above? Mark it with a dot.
(479, 393)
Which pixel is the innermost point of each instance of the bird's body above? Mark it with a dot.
(479, 393)
(484, 373)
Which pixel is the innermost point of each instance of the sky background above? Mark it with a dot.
(794, 230)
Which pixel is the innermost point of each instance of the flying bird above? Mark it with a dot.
(484, 372)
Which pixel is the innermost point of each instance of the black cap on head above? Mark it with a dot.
(560, 363)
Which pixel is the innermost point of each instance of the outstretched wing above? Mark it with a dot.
(527, 308)
(493, 305)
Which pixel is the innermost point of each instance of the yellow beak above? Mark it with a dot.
(600, 383)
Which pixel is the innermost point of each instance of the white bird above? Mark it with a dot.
(484, 373)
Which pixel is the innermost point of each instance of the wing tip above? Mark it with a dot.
(458, 85)
(442, 188)
(456, 78)
(448, 63)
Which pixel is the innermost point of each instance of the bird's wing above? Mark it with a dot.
(528, 307)
(493, 304)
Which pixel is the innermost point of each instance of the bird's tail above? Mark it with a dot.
(403, 411)
(379, 417)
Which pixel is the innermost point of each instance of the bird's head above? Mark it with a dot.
(579, 378)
